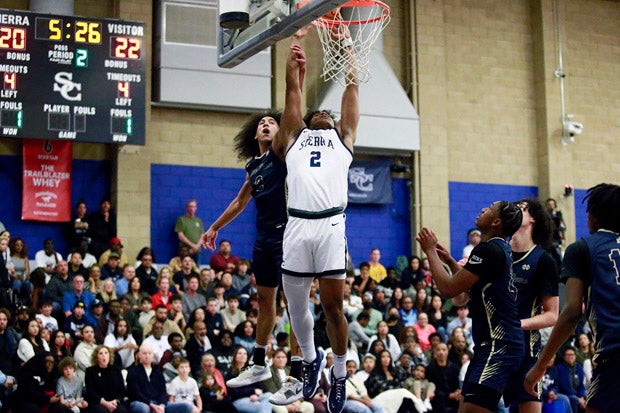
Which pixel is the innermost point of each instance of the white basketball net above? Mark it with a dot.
(347, 41)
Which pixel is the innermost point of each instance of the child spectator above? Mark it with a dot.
(70, 388)
(214, 397)
(45, 316)
(147, 312)
(421, 387)
(231, 315)
(76, 322)
(183, 389)
(176, 312)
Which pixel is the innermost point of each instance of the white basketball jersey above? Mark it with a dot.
(318, 167)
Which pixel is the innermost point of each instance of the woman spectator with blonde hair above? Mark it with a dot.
(108, 292)
(105, 387)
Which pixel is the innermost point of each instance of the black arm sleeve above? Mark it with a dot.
(576, 262)
(547, 272)
(486, 260)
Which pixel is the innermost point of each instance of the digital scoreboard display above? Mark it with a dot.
(71, 78)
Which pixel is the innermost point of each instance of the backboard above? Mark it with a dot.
(270, 21)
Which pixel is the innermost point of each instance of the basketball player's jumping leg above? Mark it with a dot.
(297, 291)
(332, 297)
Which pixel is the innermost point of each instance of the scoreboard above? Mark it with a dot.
(71, 78)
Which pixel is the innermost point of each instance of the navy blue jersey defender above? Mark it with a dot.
(493, 306)
(496, 328)
(267, 177)
(596, 261)
(535, 276)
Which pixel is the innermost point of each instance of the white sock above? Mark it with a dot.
(340, 365)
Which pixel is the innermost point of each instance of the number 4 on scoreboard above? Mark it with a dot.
(123, 89)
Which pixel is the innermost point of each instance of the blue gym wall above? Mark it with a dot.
(581, 216)
(90, 181)
(467, 200)
(385, 226)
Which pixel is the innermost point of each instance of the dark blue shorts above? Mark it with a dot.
(515, 390)
(603, 394)
(267, 262)
(492, 366)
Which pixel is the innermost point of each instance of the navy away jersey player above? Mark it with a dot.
(595, 260)
(535, 276)
(267, 175)
(496, 329)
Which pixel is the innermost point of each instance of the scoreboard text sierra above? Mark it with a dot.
(71, 78)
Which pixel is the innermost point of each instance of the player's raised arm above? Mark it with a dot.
(235, 207)
(292, 118)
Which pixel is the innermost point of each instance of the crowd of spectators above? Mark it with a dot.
(102, 333)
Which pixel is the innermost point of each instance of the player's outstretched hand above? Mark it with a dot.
(208, 239)
(532, 378)
(443, 253)
(297, 56)
(427, 240)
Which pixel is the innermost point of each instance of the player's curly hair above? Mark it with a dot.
(511, 217)
(246, 145)
(543, 225)
(311, 113)
(604, 204)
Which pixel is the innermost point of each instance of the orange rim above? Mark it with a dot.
(326, 21)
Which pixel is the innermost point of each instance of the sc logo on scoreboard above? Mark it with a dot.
(63, 83)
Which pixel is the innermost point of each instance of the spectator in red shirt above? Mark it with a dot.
(223, 260)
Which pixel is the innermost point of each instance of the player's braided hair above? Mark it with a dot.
(543, 225)
(511, 217)
(246, 145)
(604, 206)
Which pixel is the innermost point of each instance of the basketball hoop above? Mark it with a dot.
(347, 35)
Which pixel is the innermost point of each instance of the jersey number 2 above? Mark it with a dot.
(614, 257)
(315, 158)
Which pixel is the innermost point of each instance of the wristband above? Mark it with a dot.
(346, 42)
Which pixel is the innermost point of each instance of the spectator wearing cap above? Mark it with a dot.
(102, 227)
(76, 321)
(116, 246)
(112, 269)
(474, 237)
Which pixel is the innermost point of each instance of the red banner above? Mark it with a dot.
(47, 180)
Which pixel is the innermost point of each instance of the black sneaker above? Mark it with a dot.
(337, 393)
(311, 373)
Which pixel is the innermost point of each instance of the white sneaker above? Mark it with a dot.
(251, 375)
(291, 391)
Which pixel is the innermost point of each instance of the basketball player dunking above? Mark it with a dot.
(318, 154)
